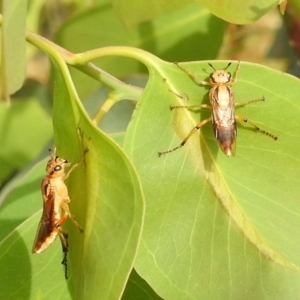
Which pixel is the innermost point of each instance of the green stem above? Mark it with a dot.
(105, 107)
(125, 91)
(144, 57)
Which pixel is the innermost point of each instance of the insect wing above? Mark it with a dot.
(46, 233)
(223, 119)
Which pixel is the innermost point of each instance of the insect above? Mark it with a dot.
(222, 106)
(55, 206)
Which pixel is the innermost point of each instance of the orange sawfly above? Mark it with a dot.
(222, 106)
(55, 206)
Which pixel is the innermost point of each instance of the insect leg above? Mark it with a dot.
(245, 120)
(249, 102)
(76, 223)
(65, 207)
(183, 96)
(63, 236)
(191, 106)
(194, 76)
(62, 220)
(202, 123)
(76, 165)
(234, 78)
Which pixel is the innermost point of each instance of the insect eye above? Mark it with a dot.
(212, 77)
(57, 168)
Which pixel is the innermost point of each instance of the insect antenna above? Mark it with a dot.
(227, 66)
(212, 66)
(52, 152)
(215, 68)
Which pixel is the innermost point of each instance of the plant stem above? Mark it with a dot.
(105, 107)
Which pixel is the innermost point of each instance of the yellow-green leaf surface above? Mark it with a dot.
(239, 12)
(13, 53)
(219, 227)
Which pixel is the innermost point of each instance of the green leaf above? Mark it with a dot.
(13, 55)
(218, 227)
(239, 12)
(176, 36)
(106, 201)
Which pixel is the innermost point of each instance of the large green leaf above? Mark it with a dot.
(219, 227)
(107, 201)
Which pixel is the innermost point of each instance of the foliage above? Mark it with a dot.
(192, 224)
